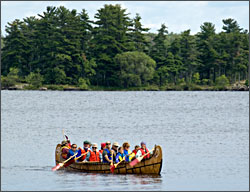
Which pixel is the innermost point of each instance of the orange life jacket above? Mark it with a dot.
(82, 152)
(94, 156)
(143, 153)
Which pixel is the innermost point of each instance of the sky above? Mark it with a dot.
(178, 16)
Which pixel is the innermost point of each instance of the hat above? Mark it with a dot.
(143, 143)
(86, 142)
(64, 142)
(116, 144)
(103, 145)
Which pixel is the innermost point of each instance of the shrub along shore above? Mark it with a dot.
(240, 86)
(34, 81)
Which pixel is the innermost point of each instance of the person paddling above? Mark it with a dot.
(143, 150)
(72, 151)
(127, 151)
(94, 155)
(102, 147)
(86, 148)
(65, 149)
(115, 149)
(137, 147)
(107, 153)
(120, 155)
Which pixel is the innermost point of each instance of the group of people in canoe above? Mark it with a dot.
(107, 153)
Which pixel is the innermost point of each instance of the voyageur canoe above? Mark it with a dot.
(152, 165)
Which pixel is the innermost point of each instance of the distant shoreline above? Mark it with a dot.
(147, 88)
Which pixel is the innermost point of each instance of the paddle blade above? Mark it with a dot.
(134, 162)
(66, 137)
(57, 167)
(112, 168)
(69, 162)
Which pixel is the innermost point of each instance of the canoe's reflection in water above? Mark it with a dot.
(98, 181)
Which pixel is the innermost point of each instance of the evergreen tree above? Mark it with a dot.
(138, 35)
(189, 54)
(110, 38)
(208, 54)
(14, 51)
(159, 49)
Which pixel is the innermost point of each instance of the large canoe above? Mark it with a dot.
(152, 165)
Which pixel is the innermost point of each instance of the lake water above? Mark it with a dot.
(204, 137)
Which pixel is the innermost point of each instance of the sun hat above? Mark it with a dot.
(116, 144)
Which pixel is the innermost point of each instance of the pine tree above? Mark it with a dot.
(14, 51)
(110, 38)
(208, 54)
(138, 35)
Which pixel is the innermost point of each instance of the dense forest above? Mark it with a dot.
(63, 47)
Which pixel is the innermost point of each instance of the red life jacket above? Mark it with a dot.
(101, 151)
(94, 156)
(82, 152)
(143, 153)
(134, 151)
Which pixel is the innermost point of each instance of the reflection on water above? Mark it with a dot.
(110, 179)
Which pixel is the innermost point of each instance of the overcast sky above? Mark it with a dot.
(178, 16)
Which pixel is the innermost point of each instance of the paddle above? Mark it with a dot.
(115, 165)
(59, 165)
(70, 162)
(81, 155)
(137, 160)
(112, 167)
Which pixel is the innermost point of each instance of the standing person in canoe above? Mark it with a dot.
(107, 153)
(86, 148)
(127, 151)
(65, 149)
(143, 150)
(94, 155)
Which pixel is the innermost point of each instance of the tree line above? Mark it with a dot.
(62, 46)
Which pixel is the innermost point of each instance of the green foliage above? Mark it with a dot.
(181, 81)
(34, 79)
(196, 78)
(7, 82)
(136, 68)
(59, 76)
(222, 81)
(205, 81)
(247, 83)
(110, 38)
(83, 84)
(11, 79)
(55, 87)
(66, 46)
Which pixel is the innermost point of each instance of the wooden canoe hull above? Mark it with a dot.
(152, 165)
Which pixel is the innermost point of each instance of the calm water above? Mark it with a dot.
(204, 136)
